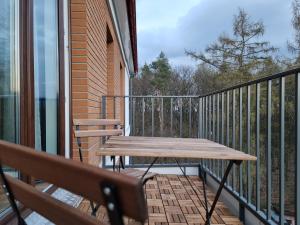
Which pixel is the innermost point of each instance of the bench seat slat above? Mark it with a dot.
(97, 133)
(53, 209)
(96, 122)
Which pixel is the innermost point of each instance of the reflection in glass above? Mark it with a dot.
(46, 74)
(9, 80)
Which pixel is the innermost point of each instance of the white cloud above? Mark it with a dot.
(175, 25)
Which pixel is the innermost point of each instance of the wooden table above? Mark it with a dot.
(170, 147)
(191, 148)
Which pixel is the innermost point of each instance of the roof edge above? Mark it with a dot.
(131, 12)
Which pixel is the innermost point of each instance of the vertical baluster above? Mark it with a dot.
(190, 117)
(297, 121)
(143, 116)
(218, 118)
(269, 151)
(233, 137)
(258, 147)
(171, 112)
(282, 151)
(200, 118)
(180, 103)
(206, 123)
(241, 141)
(114, 102)
(222, 130)
(228, 125)
(213, 118)
(209, 117)
(218, 130)
(162, 117)
(213, 129)
(133, 117)
(152, 116)
(124, 112)
(249, 180)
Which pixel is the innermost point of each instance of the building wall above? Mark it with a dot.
(95, 59)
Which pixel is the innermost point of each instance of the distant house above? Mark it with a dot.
(57, 59)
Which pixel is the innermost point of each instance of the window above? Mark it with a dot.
(46, 74)
(9, 80)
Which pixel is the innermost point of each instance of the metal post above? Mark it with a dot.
(218, 118)
(222, 128)
(222, 183)
(297, 121)
(152, 116)
(162, 118)
(213, 129)
(213, 118)
(269, 151)
(206, 118)
(249, 143)
(171, 112)
(218, 130)
(209, 117)
(233, 136)
(241, 141)
(143, 116)
(258, 147)
(227, 117)
(199, 118)
(282, 151)
(103, 116)
(180, 125)
(114, 102)
(103, 107)
(190, 117)
(133, 116)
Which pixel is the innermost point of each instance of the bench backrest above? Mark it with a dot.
(116, 130)
(90, 182)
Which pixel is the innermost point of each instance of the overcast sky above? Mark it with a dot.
(175, 25)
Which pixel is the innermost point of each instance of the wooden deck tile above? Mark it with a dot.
(171, 201)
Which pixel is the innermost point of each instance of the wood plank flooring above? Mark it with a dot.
(171, 201)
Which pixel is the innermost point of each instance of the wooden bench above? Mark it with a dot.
(107, 133)
(121, 195)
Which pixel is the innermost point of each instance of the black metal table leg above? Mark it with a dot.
(149, 167)
(229, 167)
(201, 173)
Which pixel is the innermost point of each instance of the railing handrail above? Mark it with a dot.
(151, 96)
(255, 81)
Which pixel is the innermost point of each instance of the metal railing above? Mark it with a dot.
(260, 117)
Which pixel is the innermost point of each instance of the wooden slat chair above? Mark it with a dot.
(106, 133)
(121, 195)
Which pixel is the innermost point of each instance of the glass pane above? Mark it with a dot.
(46, 74)
(9, 80)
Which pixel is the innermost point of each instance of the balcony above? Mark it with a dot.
(260, 118)
(171, 200)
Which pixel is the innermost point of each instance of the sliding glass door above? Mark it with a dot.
(42, 107)
(9, 80)
(46, 74)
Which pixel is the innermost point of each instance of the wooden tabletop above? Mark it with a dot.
(170, 148)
